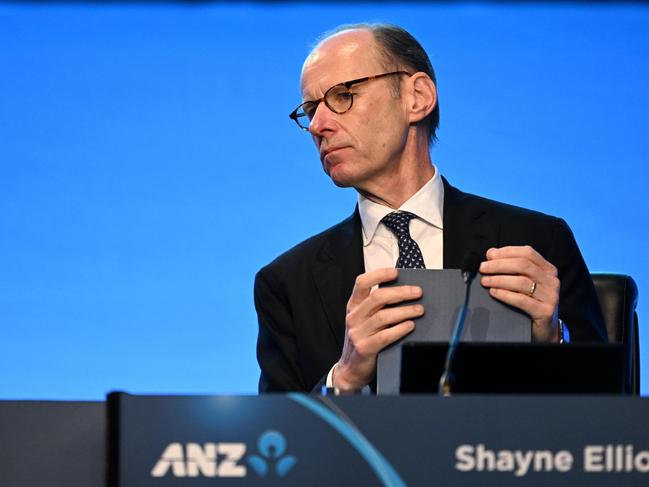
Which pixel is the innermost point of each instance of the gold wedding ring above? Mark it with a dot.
(532, 289)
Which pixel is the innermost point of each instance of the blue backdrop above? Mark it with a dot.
(137, 142)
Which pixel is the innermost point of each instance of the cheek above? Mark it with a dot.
(375, 130)
(388, 133)
(388, 118)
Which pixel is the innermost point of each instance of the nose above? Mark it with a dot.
(322, 121)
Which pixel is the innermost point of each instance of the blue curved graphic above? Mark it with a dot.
(258, 464)
(272, 444)
(285, 465)
(384, 471)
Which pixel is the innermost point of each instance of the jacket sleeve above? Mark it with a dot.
(277, 351)
(578, 303)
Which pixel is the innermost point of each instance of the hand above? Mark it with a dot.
(370, 326)
(521, 277)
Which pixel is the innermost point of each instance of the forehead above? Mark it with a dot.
(342, 57)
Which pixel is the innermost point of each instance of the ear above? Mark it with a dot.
(423, 97)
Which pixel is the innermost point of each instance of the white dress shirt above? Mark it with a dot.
(380, 245)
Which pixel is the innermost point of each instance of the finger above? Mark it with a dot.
(512, 266)
(535, 309)
(365, 282)
(519, 284)
(388, 336)
(523, 251)
(546, 289)
(377, 300)
(390, 316)
(386, 318)
(381, 297)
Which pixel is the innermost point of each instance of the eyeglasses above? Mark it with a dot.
(339, 99)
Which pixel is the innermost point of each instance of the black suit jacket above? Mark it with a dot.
(301, 296)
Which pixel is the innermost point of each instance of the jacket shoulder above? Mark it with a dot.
(309, 250)
(504, 211)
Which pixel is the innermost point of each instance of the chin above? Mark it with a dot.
(341, 178)
(342, 184)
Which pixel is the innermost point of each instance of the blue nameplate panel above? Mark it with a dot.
(300, 440)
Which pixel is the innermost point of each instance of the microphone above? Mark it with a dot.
(470, 266)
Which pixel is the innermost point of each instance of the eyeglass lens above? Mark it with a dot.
(338, 98)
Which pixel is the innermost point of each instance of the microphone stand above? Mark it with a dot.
(447, 379)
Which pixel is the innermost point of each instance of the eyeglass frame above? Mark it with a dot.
(347, 84)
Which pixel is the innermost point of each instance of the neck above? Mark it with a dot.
(409, 175)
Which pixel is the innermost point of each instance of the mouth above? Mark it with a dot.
(328, 151)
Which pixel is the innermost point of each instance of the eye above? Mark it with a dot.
(344, 96)
(339, 99)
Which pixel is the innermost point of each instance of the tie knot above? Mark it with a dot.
(410, 256)
(399, 222)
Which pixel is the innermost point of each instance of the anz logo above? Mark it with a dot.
(225, 459)
(272, 446)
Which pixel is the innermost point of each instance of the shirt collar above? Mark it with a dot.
(427, 204)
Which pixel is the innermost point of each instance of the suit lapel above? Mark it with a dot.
(337, 264)
(466, 227)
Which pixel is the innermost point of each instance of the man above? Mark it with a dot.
(370, 104)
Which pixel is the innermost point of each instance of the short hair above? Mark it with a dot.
(398, 46)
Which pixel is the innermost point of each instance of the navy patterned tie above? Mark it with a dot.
(409, 253)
